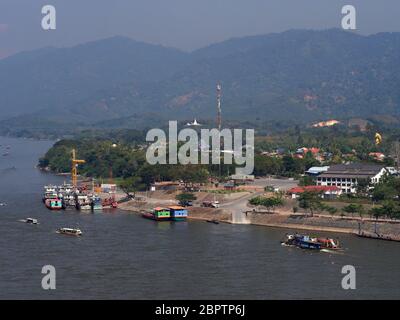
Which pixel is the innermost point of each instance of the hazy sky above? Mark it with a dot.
(185, 24)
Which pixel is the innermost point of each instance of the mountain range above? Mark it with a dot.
(297, 75)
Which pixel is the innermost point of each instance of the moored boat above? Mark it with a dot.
(83, 202)
(178, 213)
(109, 203)
(161, 214)
(96, 203)
(158, 214)
(54, 204)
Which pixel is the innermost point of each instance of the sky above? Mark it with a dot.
(183, 24)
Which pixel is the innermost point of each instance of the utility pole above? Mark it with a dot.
(219, 111)
(219, 122)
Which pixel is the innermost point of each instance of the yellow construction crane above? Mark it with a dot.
(74, 171)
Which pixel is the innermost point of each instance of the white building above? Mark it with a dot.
(347, 176)
(315, 171)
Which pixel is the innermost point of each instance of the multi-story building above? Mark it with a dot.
(347, 176)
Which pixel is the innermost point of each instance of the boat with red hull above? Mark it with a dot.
(109, 203)
(54, 204)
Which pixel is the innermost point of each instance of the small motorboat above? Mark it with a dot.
(3, 204)
(213, 221)
(69, 231)
(30, 221)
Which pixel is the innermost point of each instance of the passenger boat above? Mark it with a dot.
(54, 204)
(65, 188)
(49, 195)
(50, 192)
(70, 231)
(50, 189)
(312, 243)
(83, 202)
(178, 213)
(69, 201)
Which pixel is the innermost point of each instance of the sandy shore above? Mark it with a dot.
(222, 215)
(285, 220)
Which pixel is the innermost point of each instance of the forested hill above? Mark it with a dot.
(296, 75)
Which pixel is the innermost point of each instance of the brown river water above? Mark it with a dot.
(123, 256)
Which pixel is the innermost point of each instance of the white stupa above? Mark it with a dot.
(193, 124)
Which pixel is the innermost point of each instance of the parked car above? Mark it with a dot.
(186, 203)
(215, 204)
(210, 204)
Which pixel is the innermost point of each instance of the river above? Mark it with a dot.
(123, 256)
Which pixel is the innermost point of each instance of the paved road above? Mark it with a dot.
(240, 205)
(282, 184)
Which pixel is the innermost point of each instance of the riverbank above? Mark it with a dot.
(284, 220)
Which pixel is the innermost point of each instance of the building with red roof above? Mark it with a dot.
(326, 192)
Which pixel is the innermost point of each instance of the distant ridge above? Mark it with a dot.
(297, 75)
